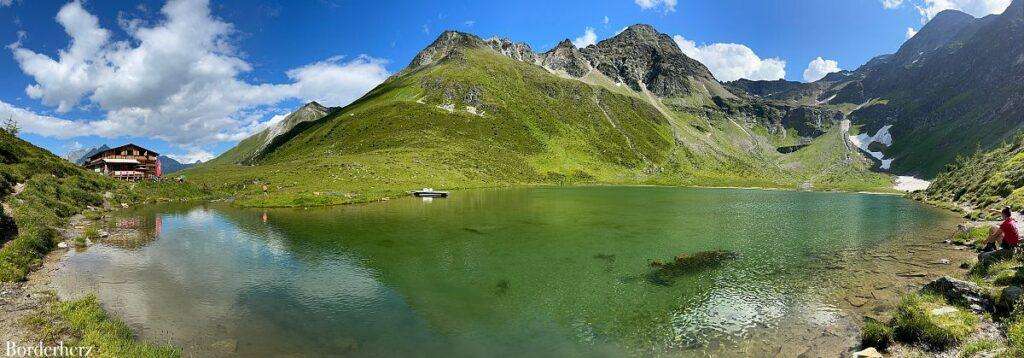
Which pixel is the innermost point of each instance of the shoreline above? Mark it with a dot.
(399, 194)
(39, 317)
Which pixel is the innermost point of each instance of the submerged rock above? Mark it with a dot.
(665, 273)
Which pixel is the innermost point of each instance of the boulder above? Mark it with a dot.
(985, 259)
(1008, 299)
(869, 352)
(960, 292)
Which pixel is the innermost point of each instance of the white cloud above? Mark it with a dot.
(48, 126)
(730, 62)
(929, 8)
(891, 4)
(4, 3)
(588, 38)
(820, 67)
(469, 23)
(192, 156)
(670, 5)
(911, 32)
(333, 82)
(606, 20)
(178, 80)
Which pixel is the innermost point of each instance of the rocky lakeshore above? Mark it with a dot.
(35, 317)
(973, 313)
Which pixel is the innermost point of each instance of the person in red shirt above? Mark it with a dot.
(1006, 233)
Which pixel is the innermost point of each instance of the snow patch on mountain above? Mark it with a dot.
(863, 141)
(909, 183)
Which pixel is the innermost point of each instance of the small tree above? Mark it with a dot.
(11, 126)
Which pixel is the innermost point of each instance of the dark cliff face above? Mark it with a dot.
(643, 58)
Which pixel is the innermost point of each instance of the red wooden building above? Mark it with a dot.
(128, 162)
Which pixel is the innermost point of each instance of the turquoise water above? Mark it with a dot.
(508, 272)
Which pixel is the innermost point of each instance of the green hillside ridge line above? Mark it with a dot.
(983, 182)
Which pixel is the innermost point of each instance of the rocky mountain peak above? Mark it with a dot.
(313, 106)
(566, 57)
(448, 43)
(1016, 8)
(515, 50)
(640, 30)
(639, 56)
(643, 58)
(937, 33)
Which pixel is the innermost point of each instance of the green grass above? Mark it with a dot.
(537, 129)
(973, 236)
(973, 348)
(914, 322)
(1015, 333)
(984, 180)
(875, 334)
(84, 323)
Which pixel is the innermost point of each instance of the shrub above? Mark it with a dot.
(875, 334)
(1015, 335)
(915, 322)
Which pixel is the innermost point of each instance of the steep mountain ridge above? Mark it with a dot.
(250, 149)
(643, 58)
(639, 57)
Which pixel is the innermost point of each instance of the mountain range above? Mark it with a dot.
(470, 112)
(954, 87)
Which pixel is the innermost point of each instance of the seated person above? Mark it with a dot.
(1006, 233)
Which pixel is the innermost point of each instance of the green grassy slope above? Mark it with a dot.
(54, 189)
(987, 179)
(242, 150)
(483, 119)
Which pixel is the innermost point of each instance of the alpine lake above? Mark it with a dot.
(519, 272)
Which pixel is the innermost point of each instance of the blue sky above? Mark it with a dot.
(191, 77)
